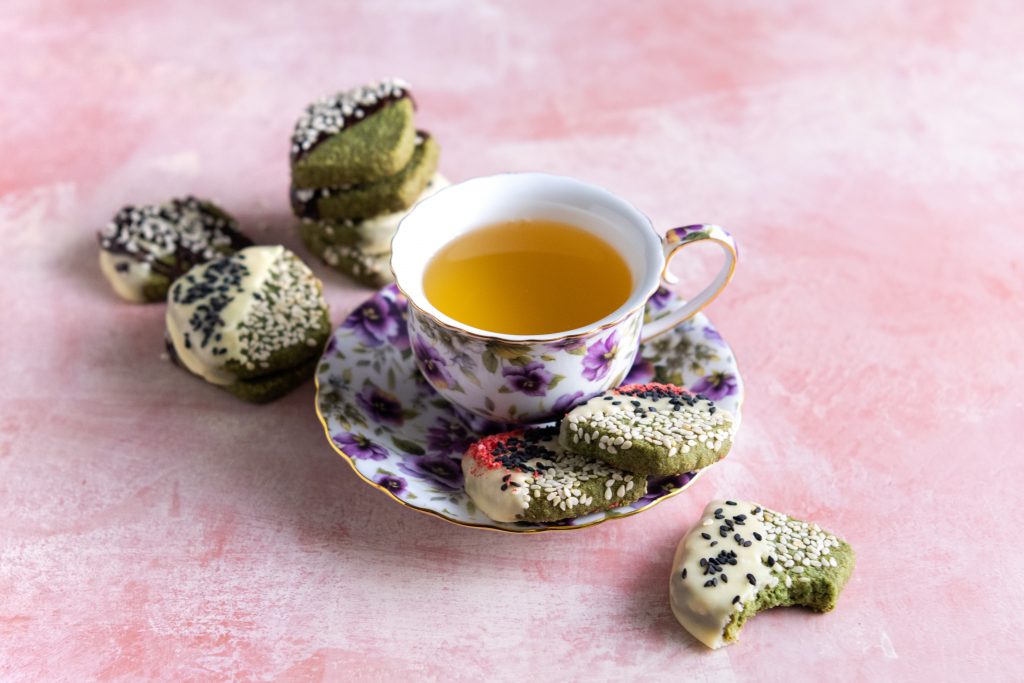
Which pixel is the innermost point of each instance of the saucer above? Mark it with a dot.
(399, 436)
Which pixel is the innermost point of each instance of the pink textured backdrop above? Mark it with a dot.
(868, 156)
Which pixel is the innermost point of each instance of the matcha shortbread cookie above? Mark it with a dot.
(524, 475)
(372, 270)
(357, 136)
(144, 248)
(388, 195)
(252, 323)
(743, 558)
(649, 429)
(371, 236)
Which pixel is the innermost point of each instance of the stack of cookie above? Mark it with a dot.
(358, 165)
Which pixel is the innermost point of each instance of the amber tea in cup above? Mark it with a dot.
(527, 277)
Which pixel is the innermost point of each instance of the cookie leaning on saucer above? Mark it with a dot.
(649, 429)
(356, 136)
(742, 558)
(524, 475)
(144, 248)
(394, 193)
(252, 323)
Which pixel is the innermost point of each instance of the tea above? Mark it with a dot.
(527, 277)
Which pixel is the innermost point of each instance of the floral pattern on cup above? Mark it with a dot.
(521, 381)
(401, 436)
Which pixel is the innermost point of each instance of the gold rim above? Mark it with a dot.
(434, 513)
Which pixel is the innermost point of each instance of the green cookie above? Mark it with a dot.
(358, 136)
(372, 270)
(394, 193)
(371, 236)
(275, 385)
(649, 429)
(249, 319)
(742, 558)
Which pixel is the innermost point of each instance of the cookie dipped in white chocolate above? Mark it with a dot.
(524, 475)
(718, 569)
(230, 318)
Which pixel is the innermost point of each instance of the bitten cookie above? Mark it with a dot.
(524, 475)
(743, 558)
(649, 429)
(393, 193)
(357, 136)
(252, 323)
(144, 248)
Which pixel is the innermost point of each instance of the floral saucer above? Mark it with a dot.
(401, 437)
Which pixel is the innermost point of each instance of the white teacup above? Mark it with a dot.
(536, 378)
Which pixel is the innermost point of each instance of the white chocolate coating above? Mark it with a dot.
(705, 610)
(128, 283)
(200, 359)
(484, 488)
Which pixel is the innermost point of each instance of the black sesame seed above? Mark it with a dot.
(751, 579)
(736, 599)
(747, 544)
(684, 572)
(705, 535)
(710, 583)
(714, 543)
(703, 562)
(771, 561)
(758, 536)
(730, 502)
(725, 579)
(718, 511)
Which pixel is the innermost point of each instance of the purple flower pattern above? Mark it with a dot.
(376, 321)
(530, 379)
(599, 357)
(358, 446)
(447, 436)
(392, 483)
(442, 471)
(716, 385)
(711, 334)
(566, 402)
(642, 371)
(432, 364)
(660, 299)
(380, 406)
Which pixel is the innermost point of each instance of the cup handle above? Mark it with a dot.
(675, 239)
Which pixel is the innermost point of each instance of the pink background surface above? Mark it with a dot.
(868, 156)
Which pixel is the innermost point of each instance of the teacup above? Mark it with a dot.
(532, 379)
